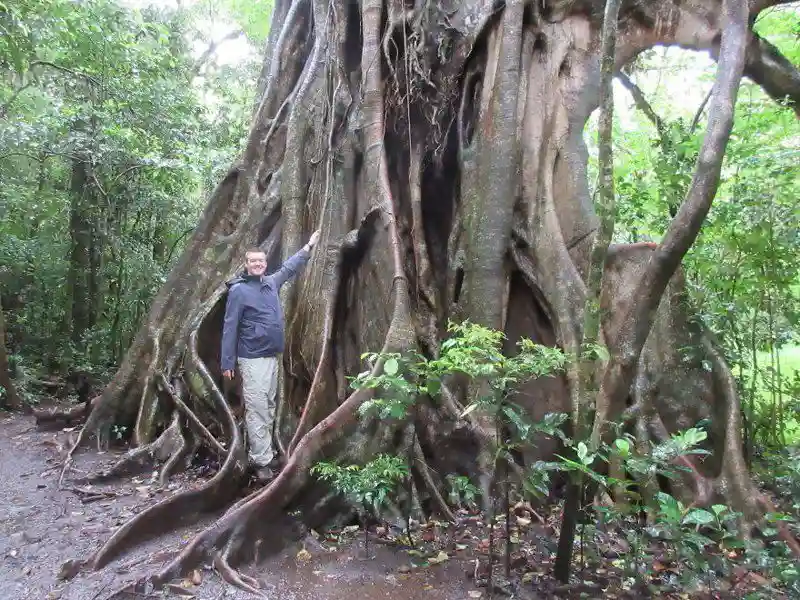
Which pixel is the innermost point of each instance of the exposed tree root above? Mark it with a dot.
(187, 505)
(234, 577)
(193, 421)
(322, 374)
(55, 418)
(173, 463)
(170, 443)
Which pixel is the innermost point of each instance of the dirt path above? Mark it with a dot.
(42, 527)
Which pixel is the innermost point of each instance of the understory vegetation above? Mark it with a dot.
(527, 332)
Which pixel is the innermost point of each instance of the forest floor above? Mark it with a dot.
(42, 527)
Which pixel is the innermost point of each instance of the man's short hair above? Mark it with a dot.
(254, 251)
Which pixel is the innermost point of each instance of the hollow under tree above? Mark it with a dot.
(439, 147)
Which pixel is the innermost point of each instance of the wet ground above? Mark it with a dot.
(41, 527)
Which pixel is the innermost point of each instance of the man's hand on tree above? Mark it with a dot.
(228, 374)
(312, 241)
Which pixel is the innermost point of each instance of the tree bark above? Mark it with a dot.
(12, 399)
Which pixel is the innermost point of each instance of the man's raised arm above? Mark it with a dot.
(296, 262)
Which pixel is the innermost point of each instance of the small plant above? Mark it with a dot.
(461, 491)
(477, 352)
(367, 488)
(118, 431)
(687, 531)
(395, 387)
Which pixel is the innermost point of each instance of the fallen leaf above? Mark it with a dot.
(528, 577)
(475, 593)
(303, 555)
(439, 558)
(427, 587)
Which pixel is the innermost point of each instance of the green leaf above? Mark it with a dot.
(719, 509)
(698, 516)
(390, 367)
(582, 451)
(433, 386)
(623, 446)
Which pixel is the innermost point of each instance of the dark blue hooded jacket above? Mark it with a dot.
(253, 325)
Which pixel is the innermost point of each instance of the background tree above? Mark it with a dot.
(112, 132)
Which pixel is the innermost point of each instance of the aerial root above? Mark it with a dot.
(143, 429)
(192, 419)
(318, 384)
(170, 443)
(421, 467)
(178, 456)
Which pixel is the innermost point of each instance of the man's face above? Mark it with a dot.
(256, 263)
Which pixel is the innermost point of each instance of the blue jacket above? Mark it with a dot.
(253, 326)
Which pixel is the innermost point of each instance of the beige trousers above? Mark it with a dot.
(259, 388)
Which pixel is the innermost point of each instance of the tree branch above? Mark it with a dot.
(212, 48)
(685, 227)
(699, 113)
(641, 102)
(770, 69)
(44, 156)
(47, 63)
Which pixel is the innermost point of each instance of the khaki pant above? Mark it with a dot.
(259, 388)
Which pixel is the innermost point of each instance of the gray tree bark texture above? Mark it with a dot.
(438, 145)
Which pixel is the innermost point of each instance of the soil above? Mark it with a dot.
(41, 528)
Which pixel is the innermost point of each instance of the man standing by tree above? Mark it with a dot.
(253, 336)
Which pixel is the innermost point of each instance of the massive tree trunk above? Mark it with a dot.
(439, 147)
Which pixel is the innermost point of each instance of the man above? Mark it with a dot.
(253, 336)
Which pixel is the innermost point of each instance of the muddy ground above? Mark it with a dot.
(42, 527)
